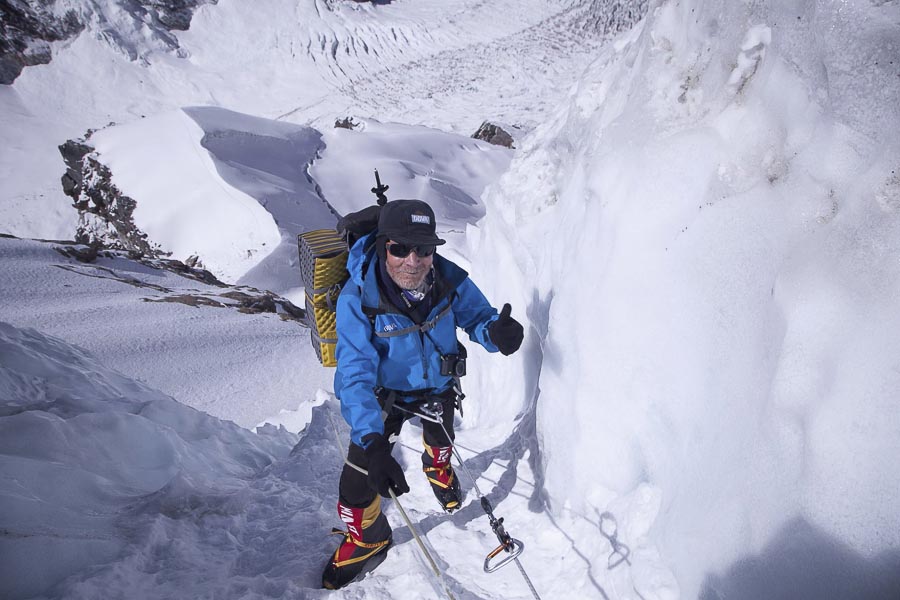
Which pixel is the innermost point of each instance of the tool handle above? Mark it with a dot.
(380, 189)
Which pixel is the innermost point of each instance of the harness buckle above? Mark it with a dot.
(433, 409)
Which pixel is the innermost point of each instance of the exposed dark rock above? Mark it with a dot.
(253, 304)
(197, 273)
(27, 28)
(82, 253)
(104, 212)
(346, 123)
(613, 16)
(494, 134)
(89, 253)
(175, 14)
(245, 300)
(104, 263)
(190, 300)
(73, 153)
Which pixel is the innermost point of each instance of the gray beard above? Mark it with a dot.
(419, 292)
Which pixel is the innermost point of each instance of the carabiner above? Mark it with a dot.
(514, 547)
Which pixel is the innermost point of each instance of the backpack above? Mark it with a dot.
(323, 269)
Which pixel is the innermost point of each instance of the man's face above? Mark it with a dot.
(408, 272)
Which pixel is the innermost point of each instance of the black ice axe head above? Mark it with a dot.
(379, 190)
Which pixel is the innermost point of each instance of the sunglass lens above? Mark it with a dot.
(403, 250)
(399, 250)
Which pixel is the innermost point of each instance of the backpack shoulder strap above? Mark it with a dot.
(371, 313)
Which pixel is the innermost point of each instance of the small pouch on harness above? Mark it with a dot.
(323, 268)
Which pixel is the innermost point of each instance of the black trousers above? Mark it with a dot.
(354, 487)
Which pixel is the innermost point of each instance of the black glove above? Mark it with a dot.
(385, 472)
(506, 332)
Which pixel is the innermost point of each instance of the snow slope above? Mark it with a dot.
(298, 60)
(131, 494)
(128, 316)
(120, 475)
(236, 190)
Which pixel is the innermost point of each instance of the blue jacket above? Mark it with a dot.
(393, 353)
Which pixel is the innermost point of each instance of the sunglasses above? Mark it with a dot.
(403, 250)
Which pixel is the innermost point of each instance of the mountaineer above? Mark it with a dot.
(397, 350)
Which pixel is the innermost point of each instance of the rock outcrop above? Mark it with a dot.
(175, 15)
(494, 134)
(244, 299)
(27, 29)
(346, 123)
(104, 212)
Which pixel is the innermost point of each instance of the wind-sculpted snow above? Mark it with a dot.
(234, 191)
(187, 209)
(447, 65)
(112, 489)
(710, 235)
(96, 465)
(268, 161)
(446, 170)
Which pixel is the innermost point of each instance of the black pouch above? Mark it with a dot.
(455, 364)
(357, 224)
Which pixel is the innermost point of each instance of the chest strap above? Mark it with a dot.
(424, 327)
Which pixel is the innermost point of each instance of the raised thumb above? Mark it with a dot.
(504, 314)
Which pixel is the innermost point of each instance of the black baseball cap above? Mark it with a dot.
(408, 222)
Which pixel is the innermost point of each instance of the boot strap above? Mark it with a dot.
(357, 542)
(441, 471)
(376, 547)
(435, 469)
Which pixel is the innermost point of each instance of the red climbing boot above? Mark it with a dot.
(440, 475)
(364, 547)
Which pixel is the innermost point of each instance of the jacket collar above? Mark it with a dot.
(363, 264)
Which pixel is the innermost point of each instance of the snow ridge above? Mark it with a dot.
(132, 471)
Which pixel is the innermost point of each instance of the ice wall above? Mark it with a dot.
(707, 241)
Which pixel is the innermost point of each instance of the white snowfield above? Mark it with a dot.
(447, 65)
(699, 226)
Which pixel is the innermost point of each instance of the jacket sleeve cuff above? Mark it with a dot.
(367, 439)
(485, 336)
